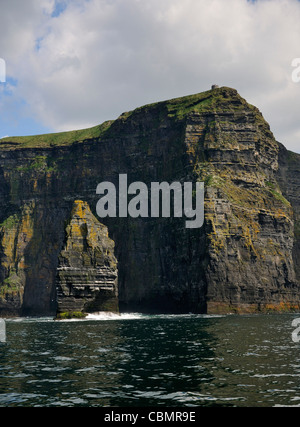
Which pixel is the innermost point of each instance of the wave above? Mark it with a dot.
(141, 316)
(28, 319)
(104, 315)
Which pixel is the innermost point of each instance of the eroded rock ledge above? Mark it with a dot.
(87, 275)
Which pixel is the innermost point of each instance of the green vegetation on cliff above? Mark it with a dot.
(219, 100)
(54, 139)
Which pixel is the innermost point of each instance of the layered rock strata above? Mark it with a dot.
(249, 223)
(244, 258)
(87, 275)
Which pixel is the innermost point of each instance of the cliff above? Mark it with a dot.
(244, 258)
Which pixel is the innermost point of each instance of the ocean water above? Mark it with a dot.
(135, 360)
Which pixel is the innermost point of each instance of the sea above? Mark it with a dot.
(138, 360)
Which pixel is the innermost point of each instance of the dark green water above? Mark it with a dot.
(140, 361)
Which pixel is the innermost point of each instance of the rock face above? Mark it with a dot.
(28, 254)
(288, 176)
(249, 224)
(244, 259)
(16, 233)
(87, 269)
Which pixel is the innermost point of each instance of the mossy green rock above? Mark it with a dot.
(87, 274)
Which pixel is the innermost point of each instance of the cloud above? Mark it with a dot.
(80, 62)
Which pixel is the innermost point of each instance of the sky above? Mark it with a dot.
(72, 64)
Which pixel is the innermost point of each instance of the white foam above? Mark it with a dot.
(102, 315)
(29, 319)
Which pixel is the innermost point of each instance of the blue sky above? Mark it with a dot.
(16, 117)
(74, 63)
(58, 8)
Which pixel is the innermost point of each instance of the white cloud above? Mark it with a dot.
(98, 58)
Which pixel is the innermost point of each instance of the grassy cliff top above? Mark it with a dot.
(219, 100)
(54, 139)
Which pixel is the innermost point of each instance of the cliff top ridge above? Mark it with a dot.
(217, 99)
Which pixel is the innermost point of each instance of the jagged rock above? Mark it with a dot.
(15, 234)
(87, 270)
(28, 259)
(249, 223)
